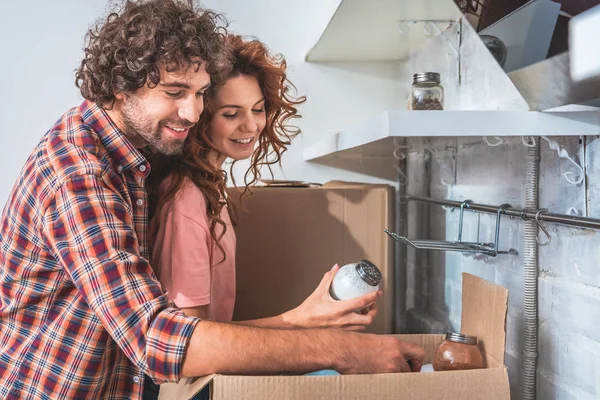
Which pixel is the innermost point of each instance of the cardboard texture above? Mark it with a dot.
(486, 318)
(484, 312)
(289, 237)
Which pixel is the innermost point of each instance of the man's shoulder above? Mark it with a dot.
(68, 150)
(72, 147)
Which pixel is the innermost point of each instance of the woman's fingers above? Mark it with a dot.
(354, 319)
(359, 303)
(366, 310)
(327, 279)
(354, 328)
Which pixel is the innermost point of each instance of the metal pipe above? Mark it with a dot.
(528, 214)
(400, 272)
(418, 264)
(530, 275)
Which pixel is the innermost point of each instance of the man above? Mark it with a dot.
(82, 314)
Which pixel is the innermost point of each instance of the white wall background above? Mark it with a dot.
(43, 44)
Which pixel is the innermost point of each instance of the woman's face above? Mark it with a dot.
(239, 118)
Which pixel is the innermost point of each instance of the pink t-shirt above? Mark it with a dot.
(185, 256)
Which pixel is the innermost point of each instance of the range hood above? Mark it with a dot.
(548, 84)
(569, 78)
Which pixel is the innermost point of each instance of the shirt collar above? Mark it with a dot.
(122, 152)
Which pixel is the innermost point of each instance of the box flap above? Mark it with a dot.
(354, 185)
(186, 388)
(484, 307)
(284, 183)
(482, 384)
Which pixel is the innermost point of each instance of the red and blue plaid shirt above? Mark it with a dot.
(82, 314)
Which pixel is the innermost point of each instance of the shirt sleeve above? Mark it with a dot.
(90, 228)
(184, 255)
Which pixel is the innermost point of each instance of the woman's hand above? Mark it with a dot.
(320, 310)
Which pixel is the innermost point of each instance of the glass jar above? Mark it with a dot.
(355, 280)
(458, 352)
(427, 93)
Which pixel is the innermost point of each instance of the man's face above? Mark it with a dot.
(162, 116)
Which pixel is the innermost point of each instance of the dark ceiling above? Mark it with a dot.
(490, 11)
(487, 12)
(574, 7)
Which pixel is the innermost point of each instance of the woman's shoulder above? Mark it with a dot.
(188, 199)
(191, 191)
(190, 195)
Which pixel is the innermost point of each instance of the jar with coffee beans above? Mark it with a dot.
(427, 93)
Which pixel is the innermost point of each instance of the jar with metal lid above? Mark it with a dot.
(427, 93)
(457, 352)
(355, 280)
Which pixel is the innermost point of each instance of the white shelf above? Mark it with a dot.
(362, 30)
(584, 31)
(374, 137)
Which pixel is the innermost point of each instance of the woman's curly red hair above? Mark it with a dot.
(249, 58)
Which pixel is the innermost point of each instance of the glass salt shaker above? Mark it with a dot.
(355, 280)
(427, 93)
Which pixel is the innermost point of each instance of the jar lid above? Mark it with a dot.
(461, 338)
(368, 272)
(426, 77)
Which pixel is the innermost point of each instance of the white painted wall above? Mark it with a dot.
(43, 45)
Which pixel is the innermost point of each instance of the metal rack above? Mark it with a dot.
(527, 215)
(490, 249)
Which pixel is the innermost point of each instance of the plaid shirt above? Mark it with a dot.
(82, 314)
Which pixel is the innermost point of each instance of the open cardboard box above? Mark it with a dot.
(483, 315)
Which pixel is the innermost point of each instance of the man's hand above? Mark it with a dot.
(380, 354)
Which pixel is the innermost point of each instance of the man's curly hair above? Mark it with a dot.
(124, 52)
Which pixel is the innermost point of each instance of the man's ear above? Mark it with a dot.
(120, 96)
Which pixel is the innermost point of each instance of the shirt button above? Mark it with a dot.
(136, 379)
(143, 168)
(120, 169)
(139, 202)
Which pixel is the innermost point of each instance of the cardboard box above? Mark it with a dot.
(483, 314)
(288, 237)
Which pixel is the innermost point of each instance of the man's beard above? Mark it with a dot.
(139, 129)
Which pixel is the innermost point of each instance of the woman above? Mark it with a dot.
(246, 117)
